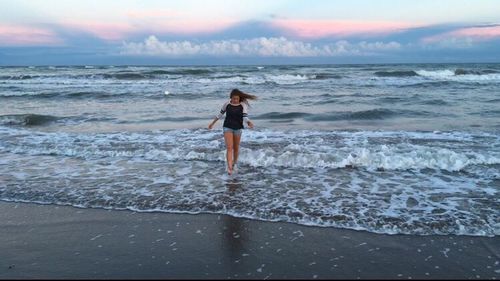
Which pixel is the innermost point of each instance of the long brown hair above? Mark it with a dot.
(244, 97)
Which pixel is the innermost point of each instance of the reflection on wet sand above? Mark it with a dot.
(235, 233)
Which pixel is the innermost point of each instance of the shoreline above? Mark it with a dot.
(49, 241)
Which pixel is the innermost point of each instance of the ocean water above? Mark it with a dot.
(396, 149)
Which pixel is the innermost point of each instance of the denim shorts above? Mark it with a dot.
(233, 131)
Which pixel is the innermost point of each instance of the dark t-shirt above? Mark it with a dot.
(234, 117)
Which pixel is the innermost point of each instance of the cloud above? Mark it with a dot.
(479, 33)
(18, 35)
(148, 14)
(463, 37)
(103, 31)
(171, 21)
(259, 47)
(314, 29)
(118, 31)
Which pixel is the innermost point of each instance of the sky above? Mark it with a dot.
(171, 32)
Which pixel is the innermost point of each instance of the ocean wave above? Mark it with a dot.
(327, 76)
(124, 76)
(460, 75)
(159, 72)
(383, 157)
(437, 76)
(388, 202)
(377, 159)
(272, 79)
(262, 150)
(433, 84)
(492, 113)
(27, 119)
(279, 115)
(162, 119)
(189, 75)
(71, 94)
(372, 114)
(395, 182)
(460, 71)
(39, 120)
(18, 77)
(440, 102)
(80, 73)
(191, 71)
(396, 73)
(442, 73)
(288, 79)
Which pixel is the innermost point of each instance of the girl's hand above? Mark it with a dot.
(210, 126)
(250, 124)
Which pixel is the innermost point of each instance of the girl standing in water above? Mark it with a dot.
(236, 110)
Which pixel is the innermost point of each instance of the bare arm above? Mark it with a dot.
(211, 125)
(222, 111)
(245, 116)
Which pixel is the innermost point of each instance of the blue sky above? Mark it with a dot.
(62, 32)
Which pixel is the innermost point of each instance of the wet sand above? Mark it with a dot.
(47, 241)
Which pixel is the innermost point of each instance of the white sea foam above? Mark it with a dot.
(438, 74)
(300, 149)
(449, 75)
(280, 79)
(288, 79)
(395, 202)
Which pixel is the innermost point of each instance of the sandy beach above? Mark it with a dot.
(47, 241)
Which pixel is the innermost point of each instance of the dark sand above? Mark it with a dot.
(47, 241)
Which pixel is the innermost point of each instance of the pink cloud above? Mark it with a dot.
(173, 21)
(193, 26)
(11, 35)
(104, 31)
(177, 22)
(471, 33)
(120, 31)
(334, 28)
(147, 14)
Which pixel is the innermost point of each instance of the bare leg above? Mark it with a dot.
(236, 147)
(228, 138)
